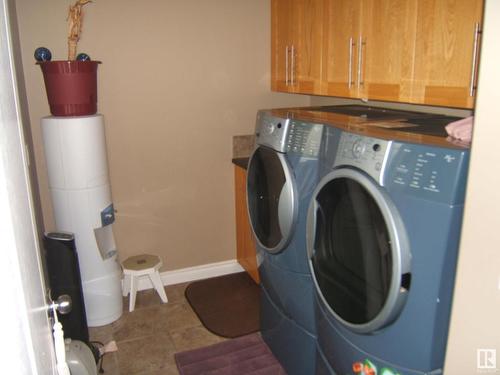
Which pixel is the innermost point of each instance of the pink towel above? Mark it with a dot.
(461, 129)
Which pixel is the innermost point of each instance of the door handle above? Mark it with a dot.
(360, 60)
(349, 77)
(286, 66)
(286, 208)
(472, 85)
(311, 229)
(62, 304)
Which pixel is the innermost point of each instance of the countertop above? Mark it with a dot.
(393, 129)
(241, 162)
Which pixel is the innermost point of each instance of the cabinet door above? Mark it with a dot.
(307, 45)
(245, 245)
(447, 52)
(387, 40)
(296, 41)
(281, 42)
(341, 30)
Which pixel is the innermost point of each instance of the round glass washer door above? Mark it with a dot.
(271, 199)
(358, 250)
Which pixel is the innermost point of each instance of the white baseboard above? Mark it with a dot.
(185, 275)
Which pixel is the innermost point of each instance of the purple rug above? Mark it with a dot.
(241, 356)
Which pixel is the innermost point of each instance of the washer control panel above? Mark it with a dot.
(366, 153)
(271, 131)
(288, 135)
(304, 138)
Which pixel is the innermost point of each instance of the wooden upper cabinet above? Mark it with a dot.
(368, 48)
(296, 37)
(339, 55)
(388, 33)
(414, 51)
(308, 37)
(281, 42)
(447, 52)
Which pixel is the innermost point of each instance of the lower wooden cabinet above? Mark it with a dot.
(245, 245)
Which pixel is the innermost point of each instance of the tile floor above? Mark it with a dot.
(148, 337)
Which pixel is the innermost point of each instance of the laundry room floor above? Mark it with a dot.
(148, 337)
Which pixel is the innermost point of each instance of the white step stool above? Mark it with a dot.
(141, 265)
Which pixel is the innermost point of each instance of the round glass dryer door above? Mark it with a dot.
(358, 251)
(271, 198)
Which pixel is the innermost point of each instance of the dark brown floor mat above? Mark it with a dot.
(226, 305)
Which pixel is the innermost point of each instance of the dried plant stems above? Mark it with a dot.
(75, 21)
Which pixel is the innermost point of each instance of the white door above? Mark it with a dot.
(26, 330)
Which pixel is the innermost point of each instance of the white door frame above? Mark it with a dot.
(26, 329)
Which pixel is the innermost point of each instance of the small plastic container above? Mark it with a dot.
(71, 87)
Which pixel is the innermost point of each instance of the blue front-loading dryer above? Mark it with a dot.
(282, 174)
(383, 233)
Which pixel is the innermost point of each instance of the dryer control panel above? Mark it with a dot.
(430, 172)
(433, 173)
(366, 153)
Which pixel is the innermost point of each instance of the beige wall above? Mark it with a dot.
(475, 321)
(179, 78)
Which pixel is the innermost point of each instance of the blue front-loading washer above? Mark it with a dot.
(383, 231)
(282, 174)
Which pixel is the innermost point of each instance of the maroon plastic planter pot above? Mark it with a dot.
(71, 87)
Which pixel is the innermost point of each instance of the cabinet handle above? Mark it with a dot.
(286, 66)
(292, 68)
(351, 44)
(360, 60)
(472, 85)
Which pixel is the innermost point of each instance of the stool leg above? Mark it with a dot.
(126, 285)
(133, 292)
(156, 280)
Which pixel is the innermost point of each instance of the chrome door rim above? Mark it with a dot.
(286, 229)
(400, 249)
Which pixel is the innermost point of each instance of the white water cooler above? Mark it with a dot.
(75, 152)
